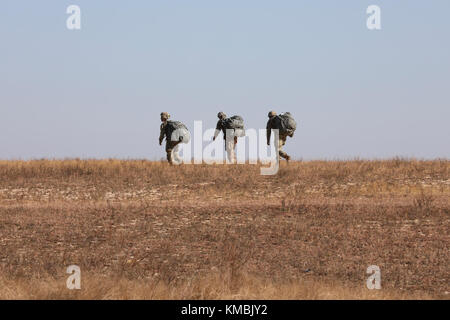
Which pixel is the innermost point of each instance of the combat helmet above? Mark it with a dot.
(164, 116)
(221, 115)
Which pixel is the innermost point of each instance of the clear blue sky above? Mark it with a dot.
(98, 92)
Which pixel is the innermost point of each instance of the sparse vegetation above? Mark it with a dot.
(141, 229)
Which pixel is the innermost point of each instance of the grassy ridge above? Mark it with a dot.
(144, 229)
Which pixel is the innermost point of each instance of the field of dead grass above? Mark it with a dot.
(141, 229)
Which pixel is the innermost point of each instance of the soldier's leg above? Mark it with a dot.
(169, 147)
(172, 151)
(175, 152)
(234, 148)
(168, 153)
(230, 145)
(281, 143)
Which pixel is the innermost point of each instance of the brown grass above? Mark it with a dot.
(144, 230)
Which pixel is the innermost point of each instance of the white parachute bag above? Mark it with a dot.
(178, 132)
(181, 133)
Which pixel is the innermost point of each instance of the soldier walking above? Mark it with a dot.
(175, 133)
(285, 125)
(234, 126)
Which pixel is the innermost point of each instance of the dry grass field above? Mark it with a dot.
(145, 230)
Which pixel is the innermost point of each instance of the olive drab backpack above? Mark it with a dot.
(287, 124)
(237, 124)
(177, 131)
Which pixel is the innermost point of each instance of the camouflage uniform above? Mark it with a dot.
(274, 124)
(171, 146)
(230, 144)
(221, 127)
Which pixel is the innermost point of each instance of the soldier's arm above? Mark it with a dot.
(218, 128)
(162, 134)
(268, 132)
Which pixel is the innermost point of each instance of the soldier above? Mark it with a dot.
(175, 133)
(275, 122)
(230, 143)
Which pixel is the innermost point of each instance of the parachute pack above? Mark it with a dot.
(237, 124)
(177, 131)
(287, 124)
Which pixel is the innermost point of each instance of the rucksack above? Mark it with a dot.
(234, 122)
(176, 130)
(237, 124)
(287, 124)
